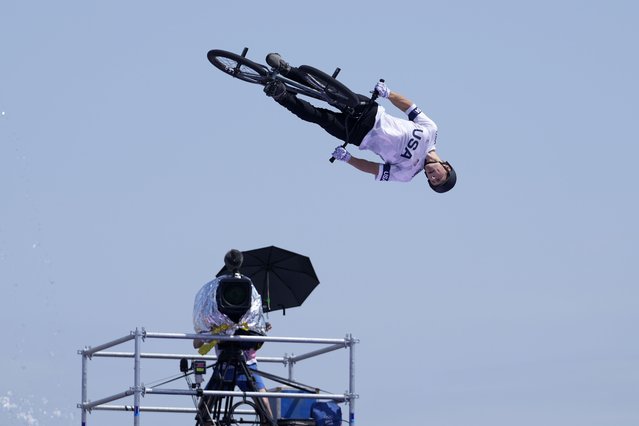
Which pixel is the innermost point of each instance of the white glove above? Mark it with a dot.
(341, 154)
(382, 90)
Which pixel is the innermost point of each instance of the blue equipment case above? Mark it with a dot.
(290, 408)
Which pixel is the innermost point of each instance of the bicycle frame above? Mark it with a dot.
(305, 80)
(297, 88)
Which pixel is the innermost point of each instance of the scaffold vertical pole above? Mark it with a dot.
(290, 367)
(351, 380)
(137, 390)
(84, 387)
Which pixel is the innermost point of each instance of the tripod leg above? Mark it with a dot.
(210, 406)
(264, 411)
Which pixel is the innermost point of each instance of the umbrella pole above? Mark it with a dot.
(268, 290)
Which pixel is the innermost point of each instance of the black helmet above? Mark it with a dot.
(448, 184)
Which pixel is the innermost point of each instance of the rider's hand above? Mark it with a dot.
(341, 154)
(382, 90)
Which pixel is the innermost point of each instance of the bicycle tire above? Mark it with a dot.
(238, 66)
(336, 92)
(259, 419)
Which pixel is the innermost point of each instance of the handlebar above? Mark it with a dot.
(375, 94)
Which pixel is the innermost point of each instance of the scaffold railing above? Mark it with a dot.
(138, 390)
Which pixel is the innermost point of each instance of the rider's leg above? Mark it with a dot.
(331, 121)
(347, 127)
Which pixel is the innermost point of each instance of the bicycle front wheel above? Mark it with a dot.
(337, 93)
(246, 413)
(238, 66)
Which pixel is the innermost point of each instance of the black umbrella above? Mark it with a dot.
(284, 279)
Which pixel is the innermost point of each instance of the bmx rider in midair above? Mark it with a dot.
(406, 146)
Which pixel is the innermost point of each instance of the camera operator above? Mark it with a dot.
(207, 318)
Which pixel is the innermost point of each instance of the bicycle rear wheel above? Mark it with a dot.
(336, 92)
(246, 413)
(238, 66)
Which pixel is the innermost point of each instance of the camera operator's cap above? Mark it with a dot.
(233, 260)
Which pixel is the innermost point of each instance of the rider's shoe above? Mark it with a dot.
(276, 61)
(275, 89)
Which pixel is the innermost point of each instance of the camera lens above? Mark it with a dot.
(236, 294)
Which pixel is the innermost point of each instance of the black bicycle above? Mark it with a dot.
(307, 81)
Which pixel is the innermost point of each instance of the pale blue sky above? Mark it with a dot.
(129, 166)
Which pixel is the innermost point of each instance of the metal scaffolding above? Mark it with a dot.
(139, 390)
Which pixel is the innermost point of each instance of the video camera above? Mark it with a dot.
(233, 296)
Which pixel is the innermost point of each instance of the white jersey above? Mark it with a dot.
(402, 144)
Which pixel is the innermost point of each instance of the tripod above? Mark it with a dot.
(220, 409)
